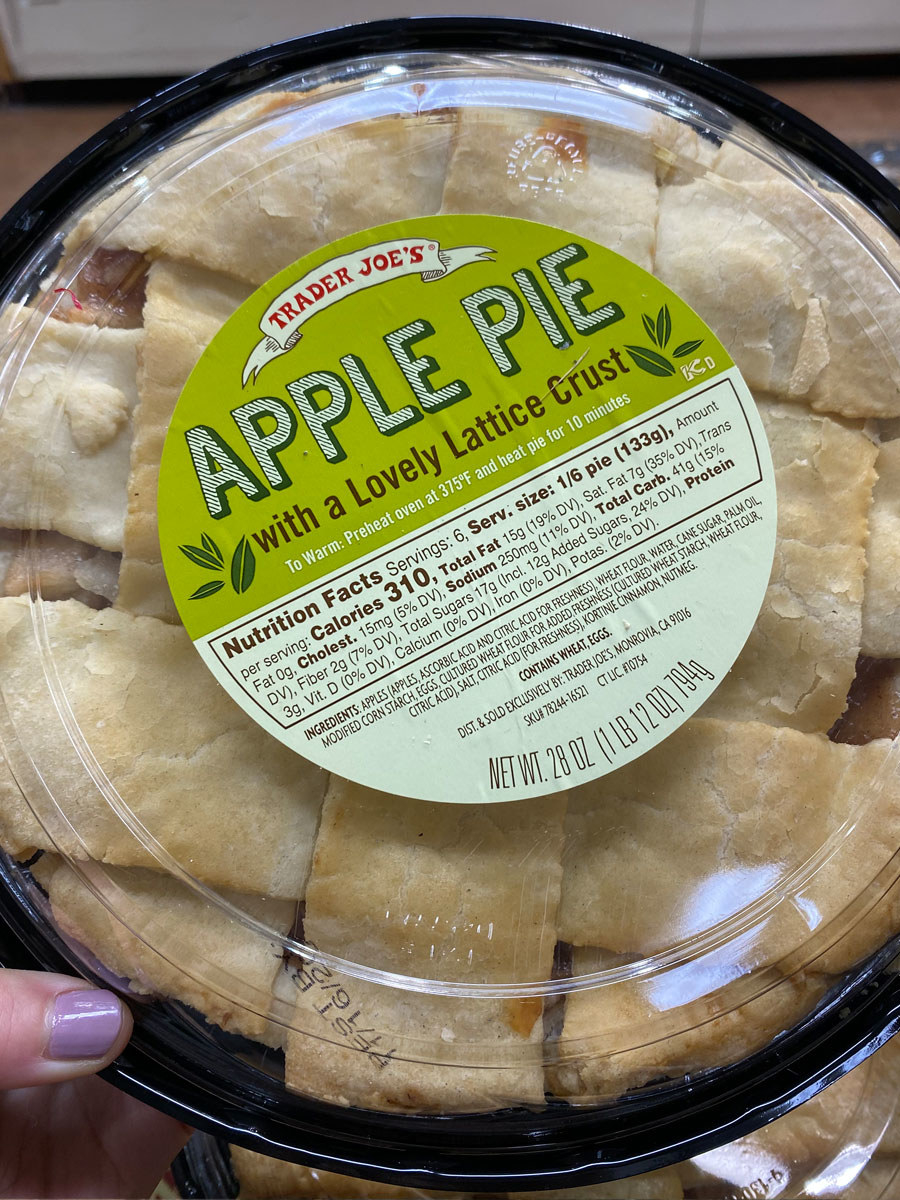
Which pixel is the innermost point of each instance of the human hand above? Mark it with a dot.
(63, 1133)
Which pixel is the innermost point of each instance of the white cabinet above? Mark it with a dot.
(70, 38)
(82, 38)
(760, 27)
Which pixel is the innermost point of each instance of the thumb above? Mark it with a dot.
(54, 1028)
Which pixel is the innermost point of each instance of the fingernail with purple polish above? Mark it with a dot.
(85, 1024)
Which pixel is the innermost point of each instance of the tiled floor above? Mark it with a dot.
(33, 138)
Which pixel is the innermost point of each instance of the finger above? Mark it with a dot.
(54, 1028)
(83, 1138)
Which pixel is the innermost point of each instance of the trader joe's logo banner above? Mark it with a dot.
(344, 276)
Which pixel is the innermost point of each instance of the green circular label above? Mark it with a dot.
(467, 508)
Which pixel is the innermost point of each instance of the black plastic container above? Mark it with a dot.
(644, 966)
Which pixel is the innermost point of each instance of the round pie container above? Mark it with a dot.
(843, 1143)
(584, 867)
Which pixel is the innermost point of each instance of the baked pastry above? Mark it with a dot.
(441, 860)
(184, 307)
(206, 784)
(72, 481)
(135, 922)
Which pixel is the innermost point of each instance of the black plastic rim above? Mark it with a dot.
(516, 1149)
(204, 1169)
(511, 1150)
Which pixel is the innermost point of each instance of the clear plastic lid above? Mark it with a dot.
(625, 931)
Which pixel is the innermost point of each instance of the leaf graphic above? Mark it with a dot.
(202, 558)
(650, 361)
(687, 348)
(213, 549)
(663, 326)
(208, 589)
(243, 566)
(650, 327)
